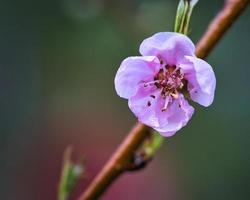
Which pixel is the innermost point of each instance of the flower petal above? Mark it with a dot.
(201, 80)
(145, 105)
(134, 70)
(177, 115)
(149, 111)
(170, 46)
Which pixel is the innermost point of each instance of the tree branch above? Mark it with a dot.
(118, 162)
(122, 157)
(221, 23)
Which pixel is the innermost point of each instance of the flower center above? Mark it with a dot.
(170, 80)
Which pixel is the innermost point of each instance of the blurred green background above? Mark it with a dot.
(58, 60)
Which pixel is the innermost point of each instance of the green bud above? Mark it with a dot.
(183, 15)
(151, 145)
(71, 173)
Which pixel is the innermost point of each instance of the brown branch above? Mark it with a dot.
(118, 162)
(221, 23)
(122, 156)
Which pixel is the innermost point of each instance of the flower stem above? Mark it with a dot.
(120, 159)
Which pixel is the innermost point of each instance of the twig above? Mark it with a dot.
(221, 23)
(118, 162)
(121, 158)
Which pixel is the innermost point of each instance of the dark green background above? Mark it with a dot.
(58, 60)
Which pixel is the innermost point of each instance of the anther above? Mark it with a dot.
(175, 94)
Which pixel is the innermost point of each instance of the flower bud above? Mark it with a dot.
(183, 15)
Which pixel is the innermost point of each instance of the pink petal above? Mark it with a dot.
(177, 115)
(145, 105)
(166, 122)
(135, 70)
(172, 47)
(201, 80)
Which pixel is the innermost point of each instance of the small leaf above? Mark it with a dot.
(71, 173)
(179, 15)
(153, 144)
(183, 15)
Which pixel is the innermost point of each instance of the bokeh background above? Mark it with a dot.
(58, 59)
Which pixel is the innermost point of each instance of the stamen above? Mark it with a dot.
(181, 85)
(166, 104)
(164, 67)
(175, 70)
(175, 94)
(151, 83)
(170, 80)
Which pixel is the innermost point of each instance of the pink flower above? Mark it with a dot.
(157, 82)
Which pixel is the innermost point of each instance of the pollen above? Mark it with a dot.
(170, 80)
